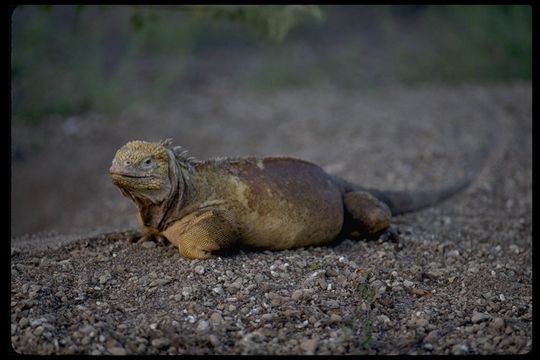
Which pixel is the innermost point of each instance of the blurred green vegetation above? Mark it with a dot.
(71, 59)
(469, 43)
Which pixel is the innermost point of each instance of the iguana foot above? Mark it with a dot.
(370, 216)
(159, 240)
(139, 239)
(390, 235)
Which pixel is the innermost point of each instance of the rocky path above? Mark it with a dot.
(461, 283)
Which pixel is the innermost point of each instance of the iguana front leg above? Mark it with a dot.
(198, 234)
(148, 233)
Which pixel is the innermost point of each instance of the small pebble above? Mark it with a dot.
(218, 290)
(148, 244)
(498, 323)
(408, 283)
(39, 330)
(116, 350)
(216, 318)
(478, 316)
(203, 326)
(161, 342)
(460, 349)
(452, 254)
(297, 294)
(309, 346)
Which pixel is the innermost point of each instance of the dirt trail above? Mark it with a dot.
(461, 284)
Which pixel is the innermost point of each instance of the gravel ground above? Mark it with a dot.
(460, 281)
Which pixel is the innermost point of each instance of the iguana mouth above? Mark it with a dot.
(132, 176)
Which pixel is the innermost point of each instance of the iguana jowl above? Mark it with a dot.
(273, 203)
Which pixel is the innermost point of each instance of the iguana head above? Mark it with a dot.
(141, 170)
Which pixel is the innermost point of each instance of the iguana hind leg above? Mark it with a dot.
(198, 235)
(370, 216)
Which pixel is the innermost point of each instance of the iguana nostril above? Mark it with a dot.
(127, 163)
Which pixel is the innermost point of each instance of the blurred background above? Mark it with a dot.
(102, 58)
(225, 80)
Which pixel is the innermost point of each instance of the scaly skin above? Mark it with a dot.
(272, 203)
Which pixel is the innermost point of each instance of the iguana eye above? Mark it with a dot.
(147, 163)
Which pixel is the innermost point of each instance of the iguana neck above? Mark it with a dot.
(181, 194)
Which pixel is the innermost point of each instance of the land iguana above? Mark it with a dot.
(271, 203)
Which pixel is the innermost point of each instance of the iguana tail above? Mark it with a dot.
(401, 202)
